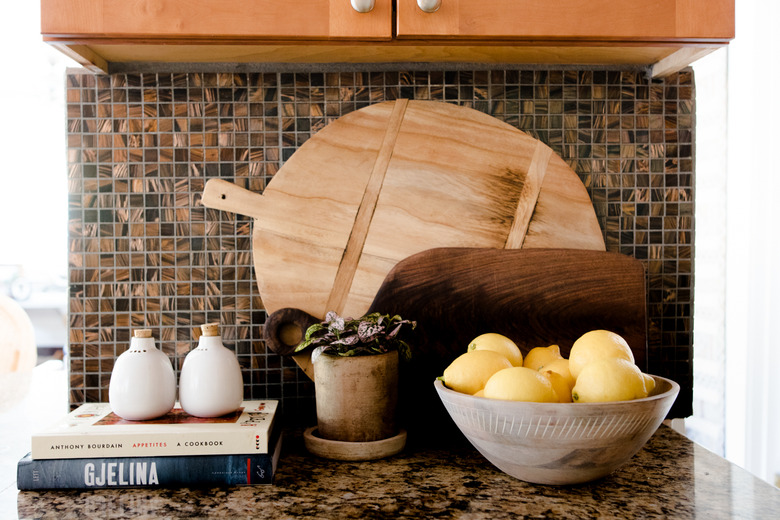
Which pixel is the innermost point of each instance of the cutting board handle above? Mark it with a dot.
(226, 196)
(285, 328)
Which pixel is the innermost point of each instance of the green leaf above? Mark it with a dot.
(314, 329)
(302, 346)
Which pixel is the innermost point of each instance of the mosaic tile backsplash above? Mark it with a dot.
(145, 253)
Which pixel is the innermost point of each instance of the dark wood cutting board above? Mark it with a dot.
(537, 297)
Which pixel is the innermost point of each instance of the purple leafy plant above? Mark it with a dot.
(374, 333)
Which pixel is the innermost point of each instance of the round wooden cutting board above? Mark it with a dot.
(394, 179)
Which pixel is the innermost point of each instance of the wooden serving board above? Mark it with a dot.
(391, 180)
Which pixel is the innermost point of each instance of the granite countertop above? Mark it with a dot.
(671, 477)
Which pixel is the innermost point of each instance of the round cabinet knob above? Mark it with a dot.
(429, 6)
(362, 6)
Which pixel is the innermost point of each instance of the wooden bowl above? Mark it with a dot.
(558, 443)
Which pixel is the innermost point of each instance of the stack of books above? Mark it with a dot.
(92, 448)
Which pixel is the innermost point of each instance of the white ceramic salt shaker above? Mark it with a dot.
(210, 383)
(143, 384)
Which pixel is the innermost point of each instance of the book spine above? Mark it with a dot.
(243, 439)
(148, 472)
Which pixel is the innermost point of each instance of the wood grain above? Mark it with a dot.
(667, 20)
(679, 59)
(203, 19)
(598, 20)
(558, 210)
(310, 210)
(528, 196)
(536, 297)
(357, 238)
(136, 34)
(556, 443)
(117, 55)
(226, 196)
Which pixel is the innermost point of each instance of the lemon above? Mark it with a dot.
(560, 385)
(649, 383)
(520, 384)
(498, 343)
(561, 367)
(538, 357)
(606, 380)
(469, 372)
(597, 344)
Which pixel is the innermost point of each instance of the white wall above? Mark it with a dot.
(750, 238)
(753, 242)
(33, 205)
(707, 426)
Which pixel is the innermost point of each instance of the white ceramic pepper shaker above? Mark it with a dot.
(143, 384)
(210, 383)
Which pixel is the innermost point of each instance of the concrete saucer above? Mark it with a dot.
(354, 451)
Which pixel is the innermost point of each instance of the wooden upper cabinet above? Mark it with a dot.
(133, 35)
(575, 20)
(215, 20)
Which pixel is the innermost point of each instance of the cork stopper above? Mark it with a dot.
(142, 333)
(210, 329)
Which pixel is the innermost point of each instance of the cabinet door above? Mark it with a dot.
(215, 20)
(573, 20)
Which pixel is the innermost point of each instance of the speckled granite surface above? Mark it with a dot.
(671, 477)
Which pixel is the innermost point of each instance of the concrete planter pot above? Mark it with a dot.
(356, 400)
(356, 396)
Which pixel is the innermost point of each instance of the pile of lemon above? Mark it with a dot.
(600, 368)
